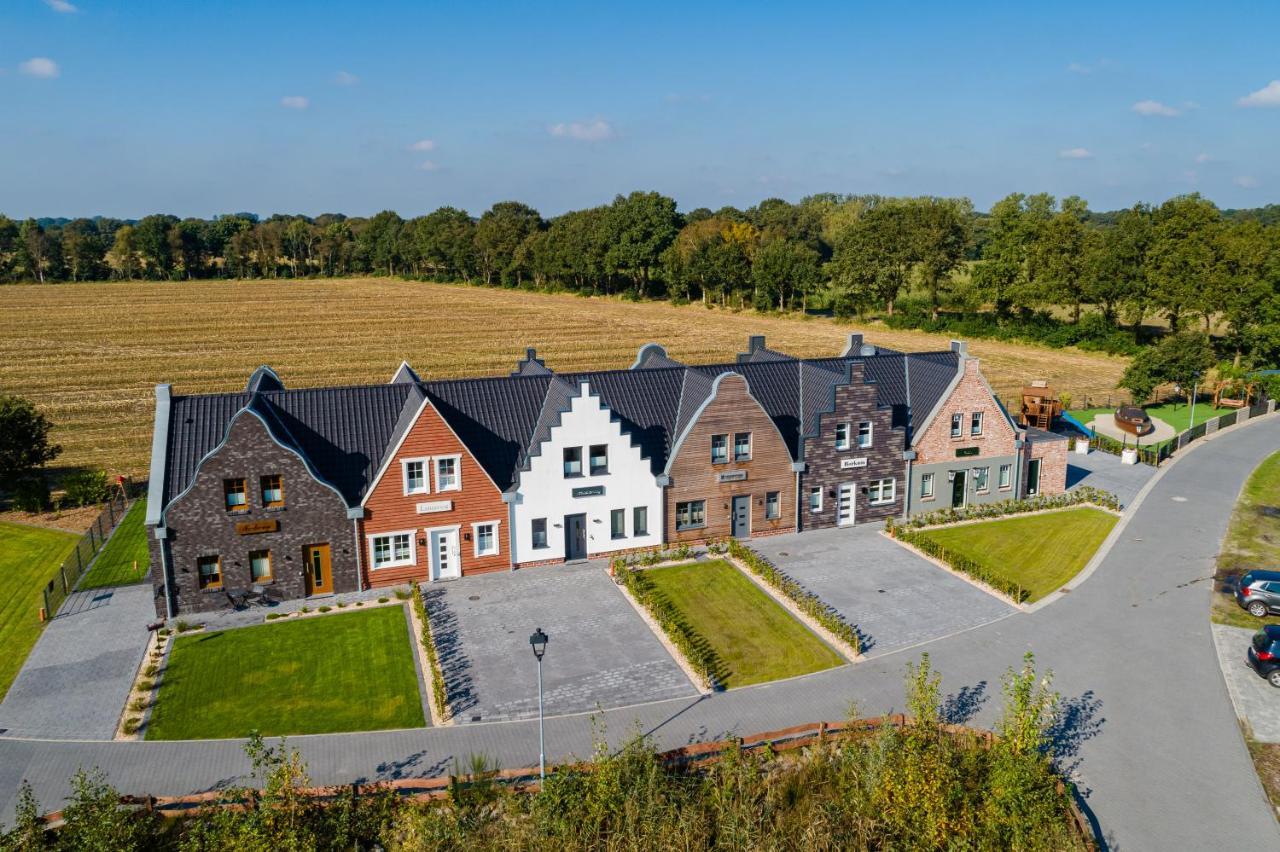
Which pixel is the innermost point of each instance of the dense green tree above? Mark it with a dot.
(82, 250)
(782, 269)
(1056, 257)
(873, 256)
(1182, 257)
(498, 234)
(642, 225)
(151, 239)
(24, 441)
(939, 232)
(123, 258)
(33, 251)
(379, 241)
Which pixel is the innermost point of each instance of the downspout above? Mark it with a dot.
(509, 497)
(356, 515)
(909, 454)
(162, 535)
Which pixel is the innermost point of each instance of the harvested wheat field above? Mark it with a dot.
(89, 354)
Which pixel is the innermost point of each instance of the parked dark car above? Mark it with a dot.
(1259, 592)
(1264, 653)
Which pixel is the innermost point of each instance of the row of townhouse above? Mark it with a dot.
(321, 490)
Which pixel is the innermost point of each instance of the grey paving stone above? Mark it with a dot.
(1256, 701)
(1103, 470)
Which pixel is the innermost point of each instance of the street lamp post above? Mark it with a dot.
(538, 641)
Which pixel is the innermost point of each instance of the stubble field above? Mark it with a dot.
(89, 355)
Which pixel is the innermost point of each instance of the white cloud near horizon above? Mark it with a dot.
(1267, 96)
(295, 102)
(345, 78)
(61, 6)
(596, 130)
(1246, 182)
(40, 66)
(423, 145)
(1075, 154)
(1150, 107)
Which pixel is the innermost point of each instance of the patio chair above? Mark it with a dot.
(238, 599)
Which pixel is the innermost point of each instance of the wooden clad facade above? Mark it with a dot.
(476, 500)
(731, 411)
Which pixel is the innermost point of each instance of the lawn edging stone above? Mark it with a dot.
(437, 702)
(157, 653)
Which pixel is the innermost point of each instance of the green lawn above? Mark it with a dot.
(1176, 415)
(126, 548)
(1253, 540)
(348, 672)
(755, 639)
(1040, 552)
(29, 556)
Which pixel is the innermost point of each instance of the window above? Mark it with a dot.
(1006, 476)
(981, 479)
(486, 538)
(392, 549)
(447, 476)
(618, 523)
(415, 476)
(742, 446)
(572, 461)
(539, 533)
(957, 425)
(210, 571)
(815, 499)
(640, 520)
(599, 459)
(719, 449)
(926, 486)
(864, 433)
(881, 491)
(233, 491)
(691, 515)
(272, 491)
(842, 436)
(975, 424)
(772, 506)
(260, 566)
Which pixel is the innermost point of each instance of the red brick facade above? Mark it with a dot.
(972, 394)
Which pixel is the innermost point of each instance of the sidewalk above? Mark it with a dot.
(1257, 702)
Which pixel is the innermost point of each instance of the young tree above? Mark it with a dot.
(123, 258)
(33, 250)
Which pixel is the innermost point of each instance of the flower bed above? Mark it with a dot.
(985, 511)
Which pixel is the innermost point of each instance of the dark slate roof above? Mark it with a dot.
(405, 374)
(776, 386)
(530, 365)
(652, 357)
(197, 424)
(495, 418)
(646, 402)
(818, 385)
(264, 379)
(558, 399)
(1035, 433)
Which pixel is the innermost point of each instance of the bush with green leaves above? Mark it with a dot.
(86, 488)
(1084, 495)
(31, 493)
(439, 692)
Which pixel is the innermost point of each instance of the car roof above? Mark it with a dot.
(1263, 575)
(1272, 631)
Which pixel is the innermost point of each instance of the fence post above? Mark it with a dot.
(111, 510)
(48, 612)
(62, 572)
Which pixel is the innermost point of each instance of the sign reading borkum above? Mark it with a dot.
(731, 476)
(589, 491)
(845, 464)
(437, 506)
(265, 525)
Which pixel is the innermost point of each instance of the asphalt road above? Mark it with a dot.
(1150, 735)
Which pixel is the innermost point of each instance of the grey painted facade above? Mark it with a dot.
(943, 482)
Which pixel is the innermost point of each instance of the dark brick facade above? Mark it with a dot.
(199, 525)
(854, 403)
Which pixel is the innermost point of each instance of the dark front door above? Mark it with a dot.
(575, 537)
(957, 489)
(742, 516)
(1033, 477)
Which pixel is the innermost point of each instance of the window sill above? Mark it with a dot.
(617, 538)
(573, 476)
(599, 473)
(541, 547)
(392, 565)
(237, 511)
(737, 460)
(719, 461)
(694, 527)
(279, 508)
(210, 590)
(417, 493)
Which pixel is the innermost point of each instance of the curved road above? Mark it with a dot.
(1150, 730)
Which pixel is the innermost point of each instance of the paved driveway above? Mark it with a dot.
(1103, 470)
(895, 598)
(77, 679)
(1256, 701)
(600, 653)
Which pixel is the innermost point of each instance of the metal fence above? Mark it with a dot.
(64, 582)
(1157, 453)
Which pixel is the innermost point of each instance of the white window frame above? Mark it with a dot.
(975, 424)
(982, 480)
(870, 430)
(1005, 482)
(842, 441)
(426, 475)
(475, 538)
(394, 563)
(887, 496)
(457, 473)
(814, 489)
(931, 480)
(957, 425)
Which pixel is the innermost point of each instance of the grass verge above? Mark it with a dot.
(753, 638)
(29, 557)
(349, 672)
(127, 548)
(1253, 537)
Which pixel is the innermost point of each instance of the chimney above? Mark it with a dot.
(754, 342)
(853, 345)
(960, 348)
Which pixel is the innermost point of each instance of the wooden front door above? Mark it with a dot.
(319, 575)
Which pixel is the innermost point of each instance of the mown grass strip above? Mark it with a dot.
(29, 557)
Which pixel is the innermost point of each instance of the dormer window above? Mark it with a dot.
(842, 436)
(742, 446)
(234, 495)
(719, 449)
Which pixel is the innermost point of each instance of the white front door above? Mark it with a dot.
(445, 563)
(845, 504)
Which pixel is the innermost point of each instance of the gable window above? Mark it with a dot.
(981, 479)
(842, 436)
(234, 494)
(691, 515)
(486, 535)
(598, 458)
(1006, 476)
(926, 486)
(272, 491)
(864, 433)
(392, 549)
(742, 446)
(260, 566)
(640, 520)
(415, 476)
(719, 449)
(572, 461)
(975, 424)
(618, 523)
(881, 491)
(447, 476)
(815, 499)
(539, 530)
(209, 569)
(957, 425)
(772, 506)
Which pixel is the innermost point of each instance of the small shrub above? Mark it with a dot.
(359, 603)
(131, 725)
(151, 671)
(403, 594)
(183, 625)
(439, 694)
(341, 605)
(383, 600)
(305, 610)
(324, 609)
(163, 632)
(31, 494)
(272, 616)
(137, 705)
(146, 685)
(86, 488)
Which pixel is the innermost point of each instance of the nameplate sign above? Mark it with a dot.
(254, 527)
(962, 452)
(433, 507)
(845, 464)
(732, 476)
(589, 491)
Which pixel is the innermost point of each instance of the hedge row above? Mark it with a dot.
(653, 556)
(1092, 334)
(980, 511)
(809, 603)
(439, 695)
(963, 564)
(695, 649)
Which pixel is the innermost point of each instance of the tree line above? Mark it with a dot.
(923, 261)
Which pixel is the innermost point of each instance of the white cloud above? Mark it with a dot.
(428, 166)
(295, 102)
(596, 130)
(1267, 96)
(61, 6)
(423, 145)
(1156, 108)
(1246, 182)
(1203, 157)
(1075, 154)
(40, 66)
(345, 78)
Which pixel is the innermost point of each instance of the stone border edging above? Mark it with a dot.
(703, 686)
(426, 672)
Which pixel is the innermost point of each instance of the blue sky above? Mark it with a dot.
(195, 108)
